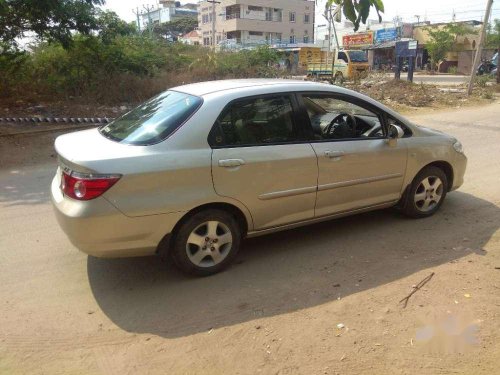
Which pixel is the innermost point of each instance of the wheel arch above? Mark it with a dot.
(441, 164)
(242, 220)
(446, 167)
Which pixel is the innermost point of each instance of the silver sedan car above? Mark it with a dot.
(196, 169)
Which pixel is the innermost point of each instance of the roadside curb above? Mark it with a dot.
(57, 120)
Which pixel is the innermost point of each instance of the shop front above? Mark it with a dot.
(381, 55)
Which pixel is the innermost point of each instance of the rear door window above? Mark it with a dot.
(255, 121)
(154, 120)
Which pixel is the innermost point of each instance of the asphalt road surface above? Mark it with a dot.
(323, 299)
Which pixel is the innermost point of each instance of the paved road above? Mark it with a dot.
(277, 310)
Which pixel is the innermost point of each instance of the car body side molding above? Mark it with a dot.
(340, 184)
(287, 193)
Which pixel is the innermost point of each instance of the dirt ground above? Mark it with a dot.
(407, 97)
(399, 95)
(323, 299)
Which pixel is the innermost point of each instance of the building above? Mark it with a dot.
(461, 56)
(192, 38)
(253, 22)
(167, 11)
(380, 39)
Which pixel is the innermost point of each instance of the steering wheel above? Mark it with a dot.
(342, 126)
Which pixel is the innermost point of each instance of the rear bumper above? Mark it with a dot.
(97, 228)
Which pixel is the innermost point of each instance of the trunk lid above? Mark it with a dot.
(88, 151)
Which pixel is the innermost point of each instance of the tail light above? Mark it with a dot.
(85, 187)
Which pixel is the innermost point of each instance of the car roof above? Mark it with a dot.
(267, 85)
(209, 87)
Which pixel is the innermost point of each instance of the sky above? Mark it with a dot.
(430, 10)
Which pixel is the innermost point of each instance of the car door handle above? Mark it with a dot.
(228, 163)
(334, 154)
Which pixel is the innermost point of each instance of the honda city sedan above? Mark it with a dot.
(198, 168)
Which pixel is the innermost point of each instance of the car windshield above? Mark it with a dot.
(358, 56)
(154, 120)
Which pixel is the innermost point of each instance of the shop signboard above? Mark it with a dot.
(386, 35)
(358, 40)
(406, 49)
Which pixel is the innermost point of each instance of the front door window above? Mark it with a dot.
(337, 119)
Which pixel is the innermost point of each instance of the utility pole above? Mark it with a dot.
(417, 16)
(213, 2)
(333, 16)
(479, 50)
(138, 16)
(328, 17)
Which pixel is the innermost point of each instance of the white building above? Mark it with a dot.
(166, 12)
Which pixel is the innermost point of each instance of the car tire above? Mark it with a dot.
(426, 193)
(206, 243)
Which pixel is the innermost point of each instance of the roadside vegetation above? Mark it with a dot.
(115, 64)
(80, 52)
(72, 52)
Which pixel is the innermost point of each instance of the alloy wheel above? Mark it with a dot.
(428, 194)
(209, 244)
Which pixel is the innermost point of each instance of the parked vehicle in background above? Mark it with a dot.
(488, 66)
(196, 169)
(405, 66)
(347, 64)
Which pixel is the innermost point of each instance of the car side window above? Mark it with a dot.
(255, 121)
(333, 118)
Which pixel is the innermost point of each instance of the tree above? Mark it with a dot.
(444, 39)
(493, 41)
(178, 26)
(109, 26)
(357, 11)
(48, 19)
(440, 43)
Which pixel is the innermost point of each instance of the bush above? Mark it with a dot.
(453, 70)
(482, 80)
(126, 68)
(13, 69)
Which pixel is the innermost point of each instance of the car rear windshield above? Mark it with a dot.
(154, 120)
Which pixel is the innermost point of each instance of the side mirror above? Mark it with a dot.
(395, 132)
